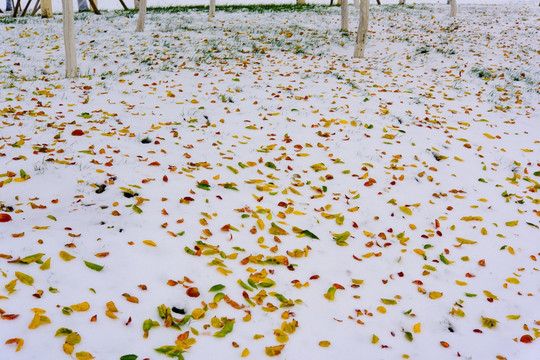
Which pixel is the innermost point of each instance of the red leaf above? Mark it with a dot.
(77, 132)
(527, 339)
(193, 292)
(5, 217)
(10, 316)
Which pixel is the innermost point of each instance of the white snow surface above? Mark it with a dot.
(403, 186)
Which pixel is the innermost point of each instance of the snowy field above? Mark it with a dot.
(243, 187)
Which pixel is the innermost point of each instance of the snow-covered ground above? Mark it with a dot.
(243, 187)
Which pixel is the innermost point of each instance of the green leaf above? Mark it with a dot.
(25, 279)
(340, 239)
(309, 234)
(389, 301)
(444, 259)
(270, 165)
(217, 287)
(137, 209)
(408, 336)
(31, 258)
(63, 332)
(230, 186)
(129, 357)
(171, 351)
(203, 186)
(281, 298)
(93, 266)
(470, 295)
(227, 328)
(536, 173)
(266, 283)
(149, 324)
(218, 297)
(482, 180)
(232, 169)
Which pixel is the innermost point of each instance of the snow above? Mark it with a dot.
(241, 133)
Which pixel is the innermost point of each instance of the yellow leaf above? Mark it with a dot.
(435, 295)
(25, 279)
(111, 314)
(461, 283)
(381, 309)
(198, 313)
(111, 306)
(512, 223)
(35, 322)
(489, 136)
(513, 281)
(273, 350)
(245, 352)
(489, 323)
(472, 218)
(149, 243)
(374, 339)
(357, 281)
(65, 256)
(68, 348)
(84, 306)
(324, 343)
(83, 355)
(260, 223)
(417, 328)
(513, 317)
(465, 241)
(406, 210)
(490, 295)
(46, 265)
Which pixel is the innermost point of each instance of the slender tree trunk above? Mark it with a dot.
(361, 35)
(345, 15)
(453, 8)
(300, 2)
(401, 2)
(136, 4)
(357, 4)
(212, 9)
(338, 2)
(378, 2)
(142, 16)
(46, 8)
(69, 39)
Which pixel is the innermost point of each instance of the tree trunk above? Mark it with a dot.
(357, 4)
(300, 2)
(338, 2)
(212, 9)
(378, 2)
(401, 2)
(69, 39)
(136, 4)
(345, 15)
(46, 8)
(453, 8)
(361, 35)
(142, 16)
